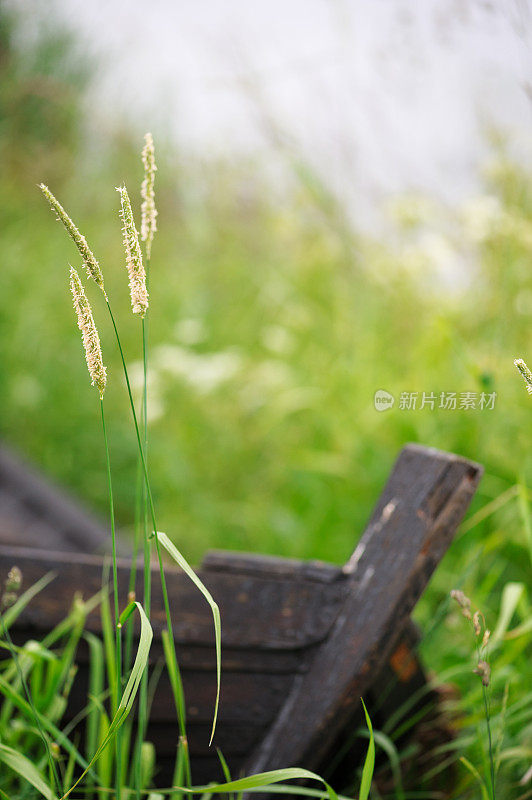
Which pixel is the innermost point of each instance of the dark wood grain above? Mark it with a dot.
(257, 611)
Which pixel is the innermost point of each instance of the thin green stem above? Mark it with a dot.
(148, 487)
(135, 421)
(118, 635)
(488, 725)
(147, 571)
(147, 565)
(133, 570)
(490, 745)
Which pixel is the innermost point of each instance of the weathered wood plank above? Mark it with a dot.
(35, 512)
(257, 611)
(283, 568)
(412, 526)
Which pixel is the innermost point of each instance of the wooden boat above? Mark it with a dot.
(302, 641)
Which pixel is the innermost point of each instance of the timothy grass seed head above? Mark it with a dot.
(135, 267)
(463, 601)
(91, 265)
(525, 372)
(148, 224)
(483, 669)
(89, 333)
(12, 586)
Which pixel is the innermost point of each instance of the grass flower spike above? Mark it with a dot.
(148, 224)
(463, 601)
(91, 340)
(135, 267)
(89, 260)
(525, 372)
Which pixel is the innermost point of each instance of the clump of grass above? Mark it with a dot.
(325, 284)
(481, 636)
(100, 735)
(139, 301)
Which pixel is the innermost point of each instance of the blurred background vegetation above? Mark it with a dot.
(272, 324)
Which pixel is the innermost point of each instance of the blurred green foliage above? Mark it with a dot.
(271, 326)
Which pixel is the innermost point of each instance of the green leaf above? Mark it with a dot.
(147, 764)
(511, 595)
(369, 763)
(12, 613)
(130, 691)
(26, 769)
(58, 736)
(185, 566)
(263, 779)
(524, 508)
(381, 740)
(96, 685)
(223, 764)
(474, 771)
(126, 613)
(175, 681)
(109, 649)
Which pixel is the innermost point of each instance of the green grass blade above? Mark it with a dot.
(182, 757)
(22, 704)
(524, 510)
(147, 764)
(69, 770)
(474, 771)
(14, 612)
(175, 681)
(383, 741)
(511, 595)
(109, 648)
(172, 550)
(130, 691)
(27, 770)
(96, 682)
(224, 765)
(369, 763)
(104, 767)
(263, 779)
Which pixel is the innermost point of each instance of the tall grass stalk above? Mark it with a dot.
(154, 535)
(139, 299)
(148, 229)
(118, 628)
(146, 545)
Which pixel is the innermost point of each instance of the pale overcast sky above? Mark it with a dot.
(380, 95)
